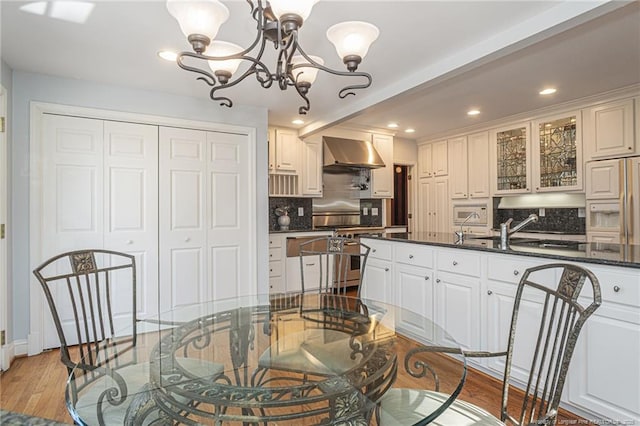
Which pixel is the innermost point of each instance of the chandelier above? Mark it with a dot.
(278, 23)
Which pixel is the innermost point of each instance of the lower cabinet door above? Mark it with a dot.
(414, 294)
(377, 281)
(604, 376)
(457, 307)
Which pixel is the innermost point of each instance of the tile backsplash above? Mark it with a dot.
(298, 223)
(564, 220)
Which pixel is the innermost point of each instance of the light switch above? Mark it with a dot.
(300, 211)
(374, 211)
(365, 211)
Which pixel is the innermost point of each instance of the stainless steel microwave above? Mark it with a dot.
(462, 212)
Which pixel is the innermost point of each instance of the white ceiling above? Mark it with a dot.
(433, 60)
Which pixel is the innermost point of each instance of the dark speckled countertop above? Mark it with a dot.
(627, 255)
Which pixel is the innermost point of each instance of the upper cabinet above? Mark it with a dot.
(468, 171)
(511, 159)
(283, 151)
(557, 153)
(609, 130)
(433, 159)
(312, 168)
(382, 178)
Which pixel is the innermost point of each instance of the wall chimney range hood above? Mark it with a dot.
(349, 155)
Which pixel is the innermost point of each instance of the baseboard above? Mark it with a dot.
(20, 347)
(34, 344)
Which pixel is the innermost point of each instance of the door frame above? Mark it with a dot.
(37, 310)
(6, 350)
(412, 193)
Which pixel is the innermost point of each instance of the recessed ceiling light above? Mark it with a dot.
(393, 125)
(547, 125)
(168, 55)
(297, 121)
(410, 130)
(548, 91)
(473, 112)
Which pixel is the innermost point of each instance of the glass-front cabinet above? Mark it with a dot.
(511, 158)
(557, 151)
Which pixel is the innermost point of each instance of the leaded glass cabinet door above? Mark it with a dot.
(511, 159)
(557, 149)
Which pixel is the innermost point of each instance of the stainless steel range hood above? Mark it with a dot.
(345, 155)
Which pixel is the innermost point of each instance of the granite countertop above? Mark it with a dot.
(627, 255)
(298, 230)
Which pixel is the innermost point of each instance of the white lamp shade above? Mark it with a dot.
(223, 48)
(305, 74)
(352, 37)
(202, 17)
(302, 8)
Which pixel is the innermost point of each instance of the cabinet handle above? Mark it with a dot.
(516, 272)
(386, 269)
(270, 255)
(410, 256)
(310, 264)
(437, 280)
(537, 189)
(426, 278)
(270, 270)
(455, 263)
(373, 250)
(186, 240)
(489, 292)
(129, 242)
(616, 288)
(629, 148)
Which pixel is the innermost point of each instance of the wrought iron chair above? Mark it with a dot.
(97, 340)
(325, 263)
(561, 317)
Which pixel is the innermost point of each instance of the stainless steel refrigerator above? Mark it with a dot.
(613, 200)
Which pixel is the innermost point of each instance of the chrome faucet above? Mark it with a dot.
(506, 230)
(460, 233)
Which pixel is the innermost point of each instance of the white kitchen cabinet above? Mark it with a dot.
(603, 179)
(478, 165)
(604, 377)
(458, 168)
(283, 151)
(377, 281)
(413, 292)
(311, 178)
(557, 153)
(276, 264)
(457, 308)
(609, 130)
(433, 159)
(433, 200)
(382, 178)
(510, 149)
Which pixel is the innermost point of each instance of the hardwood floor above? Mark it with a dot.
(35, 386)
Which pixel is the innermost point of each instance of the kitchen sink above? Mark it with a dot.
(532, 242)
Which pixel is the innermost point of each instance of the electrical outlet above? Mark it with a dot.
(300, 211)
(374, 211)
(582, 212)
(365, 211)
(541, 212)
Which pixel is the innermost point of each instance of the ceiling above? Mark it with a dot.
(432, 62)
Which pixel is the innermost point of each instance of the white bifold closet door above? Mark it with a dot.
(100, 190)
(204, 216)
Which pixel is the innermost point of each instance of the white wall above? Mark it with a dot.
(29, 87)
(405, 151)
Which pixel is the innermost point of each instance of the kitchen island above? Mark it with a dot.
(469, 288)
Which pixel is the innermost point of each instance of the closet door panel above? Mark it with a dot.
(72, 200)
(228, 220)
(182, 233)
(131, 205)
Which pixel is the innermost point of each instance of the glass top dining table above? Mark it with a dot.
(286, 359)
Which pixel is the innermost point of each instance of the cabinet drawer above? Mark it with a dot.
(459, 262)
(507, 269)
(275, 253)
(414, 254)
(275, 269)
(275, 241)
(276, 285)
(616, 286)
(379, 249)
